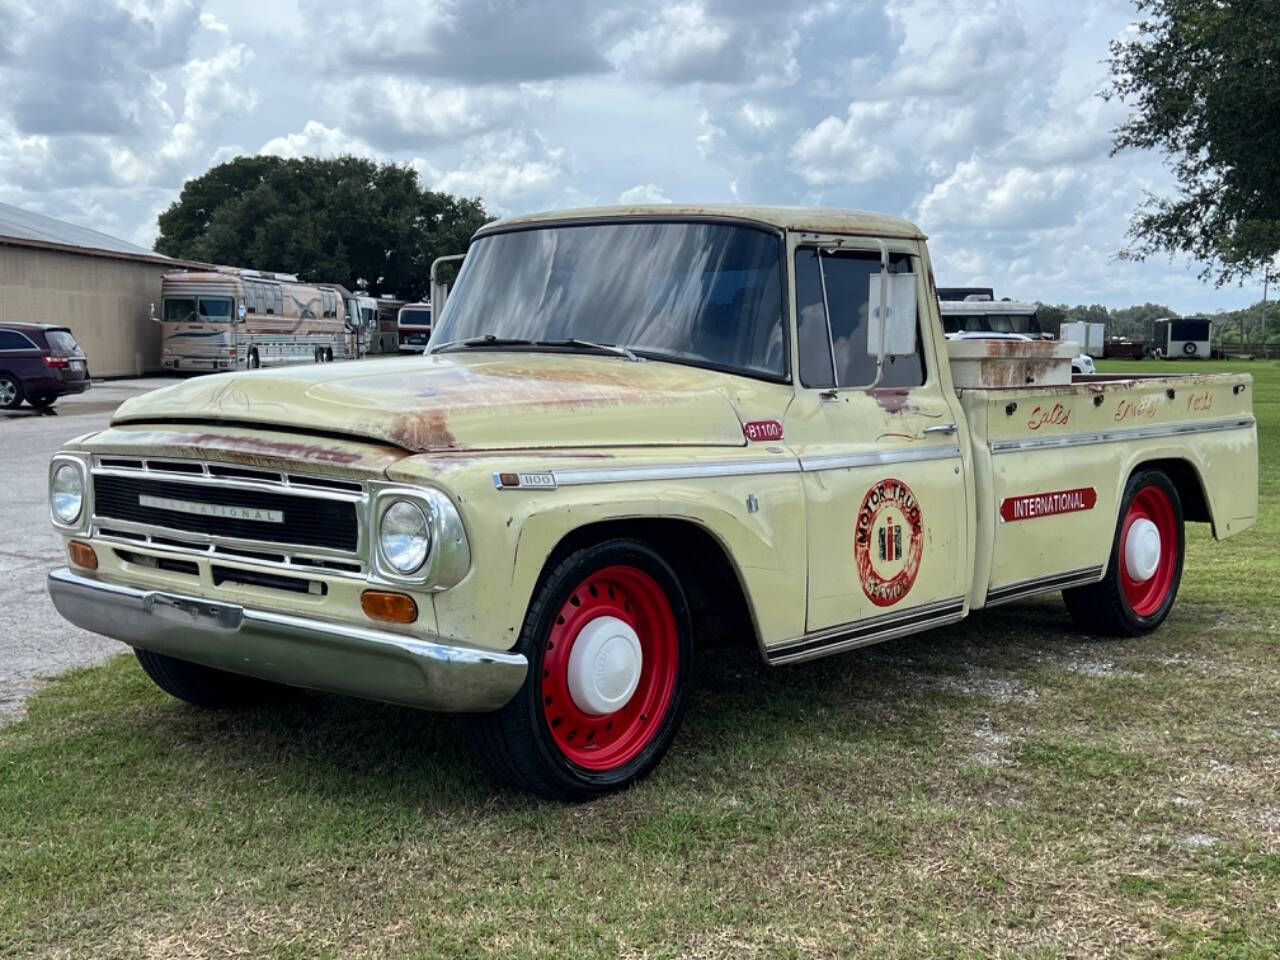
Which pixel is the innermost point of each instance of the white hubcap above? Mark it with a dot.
(604, 666)
(1142, 550)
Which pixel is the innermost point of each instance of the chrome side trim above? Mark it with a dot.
(1121, 434)
(418, 671)
(875, 458)
(862, 633)
(686, 471)
(748, 468)
(1048, 584)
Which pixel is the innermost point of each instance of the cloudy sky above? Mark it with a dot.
(978, 120)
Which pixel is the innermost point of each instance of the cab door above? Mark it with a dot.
(886, 502)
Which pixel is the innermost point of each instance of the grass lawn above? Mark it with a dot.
(1007, 787)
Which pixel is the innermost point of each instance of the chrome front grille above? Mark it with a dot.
(279, 518)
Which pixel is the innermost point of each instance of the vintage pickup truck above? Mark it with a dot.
(636, 429)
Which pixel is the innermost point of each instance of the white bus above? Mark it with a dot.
(243, 319)
(413, 324)
(378, 323)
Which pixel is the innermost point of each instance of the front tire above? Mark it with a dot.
(609, 639)
(206, 687)
(1145, 567)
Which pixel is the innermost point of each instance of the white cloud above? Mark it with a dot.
(853, 150)
(507, 169)
(976, 195)
(317, 140)
(399, 112)
(643, 193)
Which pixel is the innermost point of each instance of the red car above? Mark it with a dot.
(39, 362)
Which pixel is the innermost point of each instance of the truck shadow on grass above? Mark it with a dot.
(334, 747)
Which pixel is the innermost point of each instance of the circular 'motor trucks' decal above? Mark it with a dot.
(888, 542)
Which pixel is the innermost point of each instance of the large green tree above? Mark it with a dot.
(345, 220)
(1203, 79)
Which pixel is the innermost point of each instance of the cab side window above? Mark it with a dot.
(848, 279)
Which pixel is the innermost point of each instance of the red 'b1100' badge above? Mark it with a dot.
(762, 430)
(888, 540)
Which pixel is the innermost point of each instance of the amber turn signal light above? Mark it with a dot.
(82, 555)
(388, 606)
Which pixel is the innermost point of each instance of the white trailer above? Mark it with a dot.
(1092, 337)
(1183, 338)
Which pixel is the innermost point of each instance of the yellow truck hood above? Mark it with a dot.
(467, 401)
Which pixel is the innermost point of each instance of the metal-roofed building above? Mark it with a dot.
(99, 286)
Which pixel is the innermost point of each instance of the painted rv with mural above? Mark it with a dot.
(244, 319)
(636, 431)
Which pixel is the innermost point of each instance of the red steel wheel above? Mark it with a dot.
(609, 639)
(1148, 551)
(609, 670)
(1144, 568)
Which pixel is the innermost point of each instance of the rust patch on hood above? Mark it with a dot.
(427, 430)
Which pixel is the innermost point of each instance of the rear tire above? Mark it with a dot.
(617, 599)
(206, 687)
(1120, 605)
(42, 402)
(10, 392)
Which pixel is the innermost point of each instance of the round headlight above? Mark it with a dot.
(404, 536)
(66, 493)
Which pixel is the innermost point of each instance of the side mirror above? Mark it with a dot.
(899, 322)
(240, 311)
(154, 318)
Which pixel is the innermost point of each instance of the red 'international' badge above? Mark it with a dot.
(888, 541)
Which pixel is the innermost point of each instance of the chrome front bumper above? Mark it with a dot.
(299, 651)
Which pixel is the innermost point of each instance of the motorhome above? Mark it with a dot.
(230, 319)
(979, 313)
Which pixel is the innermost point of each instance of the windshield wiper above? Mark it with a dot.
(616, 350)
(488, 340)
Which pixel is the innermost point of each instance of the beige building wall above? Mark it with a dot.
(105, 301)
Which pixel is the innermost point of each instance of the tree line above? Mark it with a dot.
(1256, 324)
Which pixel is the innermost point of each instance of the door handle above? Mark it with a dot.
(941, 428)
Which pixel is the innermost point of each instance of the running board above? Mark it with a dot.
(862, 633)
(1029, 588)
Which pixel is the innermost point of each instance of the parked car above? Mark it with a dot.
(1080, 363)
(636, 430)
(39, 362)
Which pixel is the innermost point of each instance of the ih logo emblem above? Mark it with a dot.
(888, 542)
(891, 542)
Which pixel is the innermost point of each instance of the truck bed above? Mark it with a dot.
(1051, 464)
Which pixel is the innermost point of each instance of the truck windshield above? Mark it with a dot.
(415, 316)
(708, 294)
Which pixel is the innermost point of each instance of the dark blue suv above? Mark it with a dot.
(39, 362)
